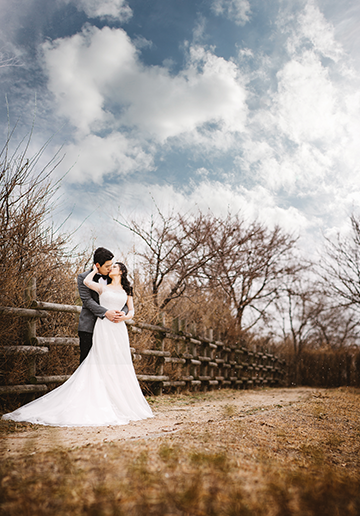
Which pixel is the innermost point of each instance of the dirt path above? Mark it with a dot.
(266, 452)
(173, 414)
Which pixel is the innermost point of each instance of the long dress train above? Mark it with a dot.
(103, 390)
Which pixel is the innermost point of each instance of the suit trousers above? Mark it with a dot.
(85, 344)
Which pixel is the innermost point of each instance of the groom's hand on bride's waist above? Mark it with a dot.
(114, 315)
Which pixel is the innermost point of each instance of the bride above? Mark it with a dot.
(104, 389)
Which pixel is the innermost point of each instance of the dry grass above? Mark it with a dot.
(299, 459)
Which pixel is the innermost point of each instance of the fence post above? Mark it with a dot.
(30, 296)
(159, 362)
(175, 326)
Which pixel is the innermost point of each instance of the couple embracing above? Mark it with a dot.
(104, 389)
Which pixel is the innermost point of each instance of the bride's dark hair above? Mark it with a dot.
(124, 279)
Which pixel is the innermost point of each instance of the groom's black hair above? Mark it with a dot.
(102, 255)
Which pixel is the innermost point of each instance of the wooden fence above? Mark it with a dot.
(180, 360)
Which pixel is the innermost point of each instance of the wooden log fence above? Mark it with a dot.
(181, 360)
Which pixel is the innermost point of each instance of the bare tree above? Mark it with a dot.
(248, 264)
(175, 248)
(30, 245)
(310, 321)
(245, 262)
(299, 306)
(340, 268)
(8, 59)
(335, 326)
(24, 205)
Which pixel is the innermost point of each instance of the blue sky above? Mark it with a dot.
(221, 104)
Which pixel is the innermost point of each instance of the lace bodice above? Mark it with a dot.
(112, 299)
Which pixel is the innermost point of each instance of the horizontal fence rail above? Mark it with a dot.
(181, 360)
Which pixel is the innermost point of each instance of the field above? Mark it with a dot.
(276, 452)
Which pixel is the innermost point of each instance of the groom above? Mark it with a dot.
(91, 308)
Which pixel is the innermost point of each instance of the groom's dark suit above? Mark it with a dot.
(90, 311)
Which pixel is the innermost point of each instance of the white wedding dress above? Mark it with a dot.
(103, 390)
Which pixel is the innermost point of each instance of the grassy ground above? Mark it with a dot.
(300, 458)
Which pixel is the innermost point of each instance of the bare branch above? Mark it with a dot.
(340, 268)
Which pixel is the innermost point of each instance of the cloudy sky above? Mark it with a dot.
(223, 104)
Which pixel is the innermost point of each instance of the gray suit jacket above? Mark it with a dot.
(91, 308)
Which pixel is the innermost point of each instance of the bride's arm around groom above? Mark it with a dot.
(115, 274)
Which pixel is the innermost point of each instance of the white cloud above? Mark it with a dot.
(97, 73)
(209, 89)
(236, 10)
(306, 101)
(117, 9)
(78, 67)
(304, 136)
(313, 26)
(202, 172)
(137, 200)
(253, 204)
(94, 157)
